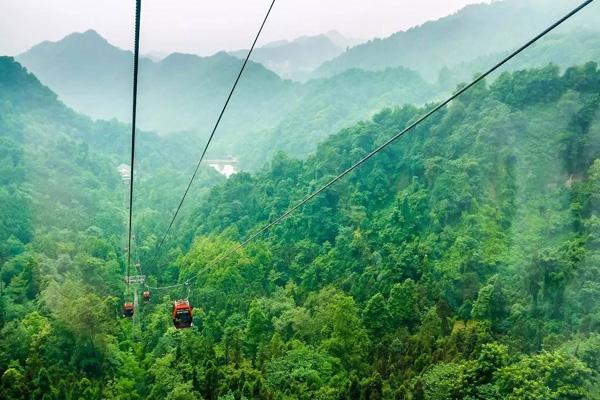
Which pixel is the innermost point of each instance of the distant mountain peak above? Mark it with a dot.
(89, 42)
(276, 43)
(335, 35)
(177, 56)
(91, 33)
(222, 54)
(473, 31)
(296, 59)
(339, 39)
(89, 36)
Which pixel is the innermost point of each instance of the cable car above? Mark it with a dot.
(127, 310)
(182, 314)
(146, 295)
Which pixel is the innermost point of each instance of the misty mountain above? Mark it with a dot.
(298, 58)
(472, 32)
(35, 111)
(185, 92)
(329, 105)
(85, 60)
(181, 92)
(65, 161)
(336, 37)
(563, 49)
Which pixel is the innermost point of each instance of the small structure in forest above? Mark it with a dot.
(224, 165)
(125, 172)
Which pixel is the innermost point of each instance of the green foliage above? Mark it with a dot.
(301, 370)
(460, 263)
(545, 376)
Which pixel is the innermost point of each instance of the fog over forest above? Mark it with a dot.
(461, 261)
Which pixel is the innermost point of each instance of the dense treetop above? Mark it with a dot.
(460, 263)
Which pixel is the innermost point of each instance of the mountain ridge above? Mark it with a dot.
(107, 76)
(473, 31)
(185, 92)
(295, 59)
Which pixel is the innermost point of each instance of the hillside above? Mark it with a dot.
(184, 93)
(50, 146)
(181, 92)
(461, 262)
(298, 58)
(59, 168)
(562, 49)
(472, 32)
(328, 105)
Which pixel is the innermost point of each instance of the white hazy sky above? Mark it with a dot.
(203, 26)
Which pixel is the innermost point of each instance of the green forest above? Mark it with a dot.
(463, 262)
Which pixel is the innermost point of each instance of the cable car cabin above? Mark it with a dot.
(146, 296)
(182, 314)
(128, 310)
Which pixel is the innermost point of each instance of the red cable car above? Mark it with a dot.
(146, 295)
(182, 314)
(127, 310)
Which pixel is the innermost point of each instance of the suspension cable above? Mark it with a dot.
(382, 146)
(136, 56)
(212, 134)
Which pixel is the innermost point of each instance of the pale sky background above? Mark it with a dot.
(205, 27)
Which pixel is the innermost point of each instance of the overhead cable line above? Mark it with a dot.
(212, 134)
(384, 145)
(136, 56)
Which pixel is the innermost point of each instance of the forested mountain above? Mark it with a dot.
(328, 105)
(87, 72)
(460, 263)
(472, 32)
(60, 186)
(40, 122)
(180, 92)
(62, 222)
(296, 59)
(185, 93)
(46, 154)
(562, 49)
